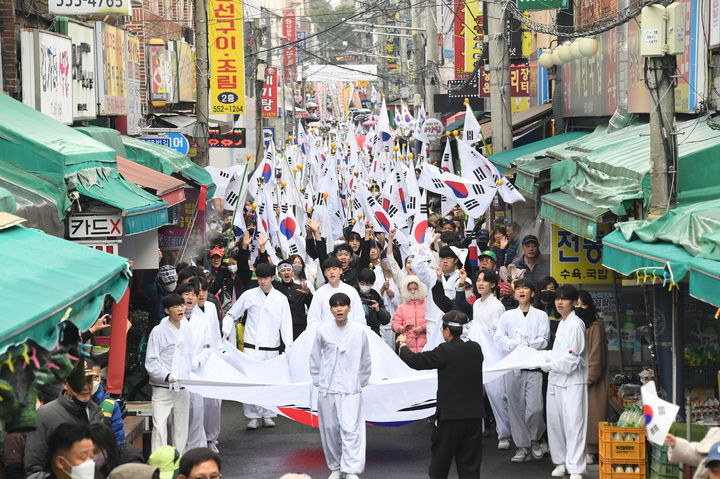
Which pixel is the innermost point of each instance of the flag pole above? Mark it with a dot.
(232, 224)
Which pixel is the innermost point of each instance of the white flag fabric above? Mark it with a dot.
(290, 240)
(221, 177)
(383, 126)
(659, 414)
(265, 171)
(476, 167)
(471, 128)
(467, 193)
(447, 165)
(236, 190)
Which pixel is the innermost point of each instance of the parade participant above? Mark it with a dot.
(212, 407)
(567, 388)
(165, 283)
(166, 361)
(486, 312)
(373, 305)
(349, 264)
(487, 260)
(409, 319)
(390, 294)
(511, 251)
(69, 454)
(107, 454)
(200, 462)
(703, 454)
(398, 273)
(340, 367)
(457, 431)
(536, 266)
(109, 407)
(303, 273)
(298, 295)
(319, 310)
(234, 278)
(268, 322)
(525, 326)
(216, 256)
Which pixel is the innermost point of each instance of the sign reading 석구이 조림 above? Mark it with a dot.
(575, 259)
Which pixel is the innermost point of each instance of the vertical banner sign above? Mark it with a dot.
(289, 33)
(158, 72)
(578, 260)
(227, 56)
(83, 67)
(269, 97)
(187, 87)
(473, 33)
(110, 66)
(134, 105)
(459, 43)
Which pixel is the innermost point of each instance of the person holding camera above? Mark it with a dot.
(373, 305)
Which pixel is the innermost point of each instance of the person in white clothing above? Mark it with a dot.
(213, 407)
(526, 326)
(340, 367)
(487, 310)
(567, 388)
(166, 361)
(319, 310)
(268, 322)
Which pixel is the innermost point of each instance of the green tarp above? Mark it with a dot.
(705, 280)
(167, 161)
(506, 159)
(7, 202)
(108, 136)
(528, 174)
(47, 280)
(698, 165)
(571, 214)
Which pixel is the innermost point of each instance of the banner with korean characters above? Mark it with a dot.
(134, 105)
(89, 7)
(574, 259)
(269, 99)
(227, 56)
(83, 66)
(111, 68)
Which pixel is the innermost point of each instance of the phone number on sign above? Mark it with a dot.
(92, 3)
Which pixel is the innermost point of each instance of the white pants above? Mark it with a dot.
(251, 410)
(388, 335)
(213, 410)
(495, 391)
(567, 425)
(196, 427)
(342, 431)
(525, 406)
(164, 402)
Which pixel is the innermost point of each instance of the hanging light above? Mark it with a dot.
(546, 59)
(556, 58)
(575, 50)
(565, 53)
(588, 46)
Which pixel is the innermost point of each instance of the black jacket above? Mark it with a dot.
(374, 318)
(460, 387)
(224, 284)
(297, 300)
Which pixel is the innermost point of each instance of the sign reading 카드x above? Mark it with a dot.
(95, 226)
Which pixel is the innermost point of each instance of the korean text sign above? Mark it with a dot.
(227, 56)
(269, 97)
(577, 260)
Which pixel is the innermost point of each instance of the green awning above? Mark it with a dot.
(698, 165)
(7, 202)
(108, 136)
(505, 159)
(628, 257)
(705, 280)
(141, 211)
(571, 214)
(530, 175)
(167, 161)
(49, 280)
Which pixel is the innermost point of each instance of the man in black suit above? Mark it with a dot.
(458, 419)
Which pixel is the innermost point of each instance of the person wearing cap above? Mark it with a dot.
(487, 260)
(536, 266)
(135, 471)
(235, 277)
(167, 461)
(298, 295)
(216, 256)
(165, 283)
(268, 322)
(457, 430)
(319, 310)
(74, 405)
(703, 454)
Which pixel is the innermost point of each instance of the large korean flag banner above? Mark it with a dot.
(227, 56)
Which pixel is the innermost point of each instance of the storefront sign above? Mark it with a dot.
(541, 4)
(578, 260)
(231, 139)
(269, 93)
(47, 73)
(134, 115)
(173, 140)
(109, 247)
(158, 72)
(227, 56)
(110, 65)
(95, 226)
(82, 37)
(187, 86)
(89, 7)
(519, 82)
(289, 33)
(189, 227)
(473, 33)
(432, 129)
(459, 39)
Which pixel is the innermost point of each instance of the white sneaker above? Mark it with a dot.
(352, 476)
(335, 475)
(522, 455)
(575, 476)
(504, 444)
(252, 424)
(268, 422)
(559, 471)
(537, 452)
(589, 459)
(213, 447)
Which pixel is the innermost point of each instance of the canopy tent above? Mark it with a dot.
(169, 189)
(7, 201)
(505, 160)
(705, 280)
(72, 286)
(107, 136)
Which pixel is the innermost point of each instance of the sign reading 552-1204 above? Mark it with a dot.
(89, 7)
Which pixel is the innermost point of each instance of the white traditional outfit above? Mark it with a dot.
(200, 341)
(319, 309)
(433, 314)
(167, 357)
(340, 367)
(524, 387)
(268, 321)
(567, 395)
(213, 407)
(486, 315)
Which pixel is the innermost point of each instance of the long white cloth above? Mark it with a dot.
(340, 359)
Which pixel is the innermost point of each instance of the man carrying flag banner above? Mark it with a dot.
(467, 193)
(659, 414)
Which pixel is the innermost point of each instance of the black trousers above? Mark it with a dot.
(460, 440)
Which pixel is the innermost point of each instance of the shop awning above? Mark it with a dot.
(505, 160)
(72, 285)
(167, 161)
(698, 165)
(186, 123)
(532, 178)
(108, 136)
(169, 189)
(141, 211)
(572, 214)
(705, 280)
(628, 257)
(7, 201)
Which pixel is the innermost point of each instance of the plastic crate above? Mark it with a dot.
(663, 469)
(618, 451)
(660, 453)
(607, 470)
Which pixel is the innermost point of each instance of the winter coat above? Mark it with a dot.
(112, 413)
(596, 344)
(411, 313)
(694, 453)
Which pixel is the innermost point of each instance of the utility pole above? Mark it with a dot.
(259, 83)
(500, 114)
(419, 13)
(202, 70)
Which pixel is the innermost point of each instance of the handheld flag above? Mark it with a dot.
(659, 414)
(471, 128)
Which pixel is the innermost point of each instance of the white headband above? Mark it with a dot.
(453, 324)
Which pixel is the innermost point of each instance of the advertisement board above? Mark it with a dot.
(82, 37)
(459, 39)
(519, 82)
(89, 7)
(187, 86)
(289, 33)
(269, 99)
(227, 56)
(94, 226)
(158, 73)
(110, 65)
(473, 33)
(578, 260)
(47, 73)
(134, 103)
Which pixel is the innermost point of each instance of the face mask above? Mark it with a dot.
(365, 289)
(86, 470)
(297, 268)
(232, 268)
(584, 314)
(79, 402)
(469, 294)
(96, 386)
(547, 297)
(170, 287)
(213, 226)
(413, 296)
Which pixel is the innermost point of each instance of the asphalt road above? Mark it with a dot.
(396, 453)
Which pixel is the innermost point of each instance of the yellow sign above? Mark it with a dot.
(473, 33)
(227, 56)
(578, 260)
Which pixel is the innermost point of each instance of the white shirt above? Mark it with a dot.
(211, 314)
(319, 310)
(568, 357)
(428, 276)
(340, 358)
(168, 352)
(515, 328)
(486, 315)
(268, 317)
(199, 331)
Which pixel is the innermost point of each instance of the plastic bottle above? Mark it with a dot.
(628, 331)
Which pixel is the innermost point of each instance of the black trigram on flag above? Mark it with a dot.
(284, 208)
(292, 247)
(437, 183)
(479, 174)
(469, 134)
(471, 204)
(478, 189)
(392, 210)
(411, 203)
(423, 208)
(224, 174)
(232, 198)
